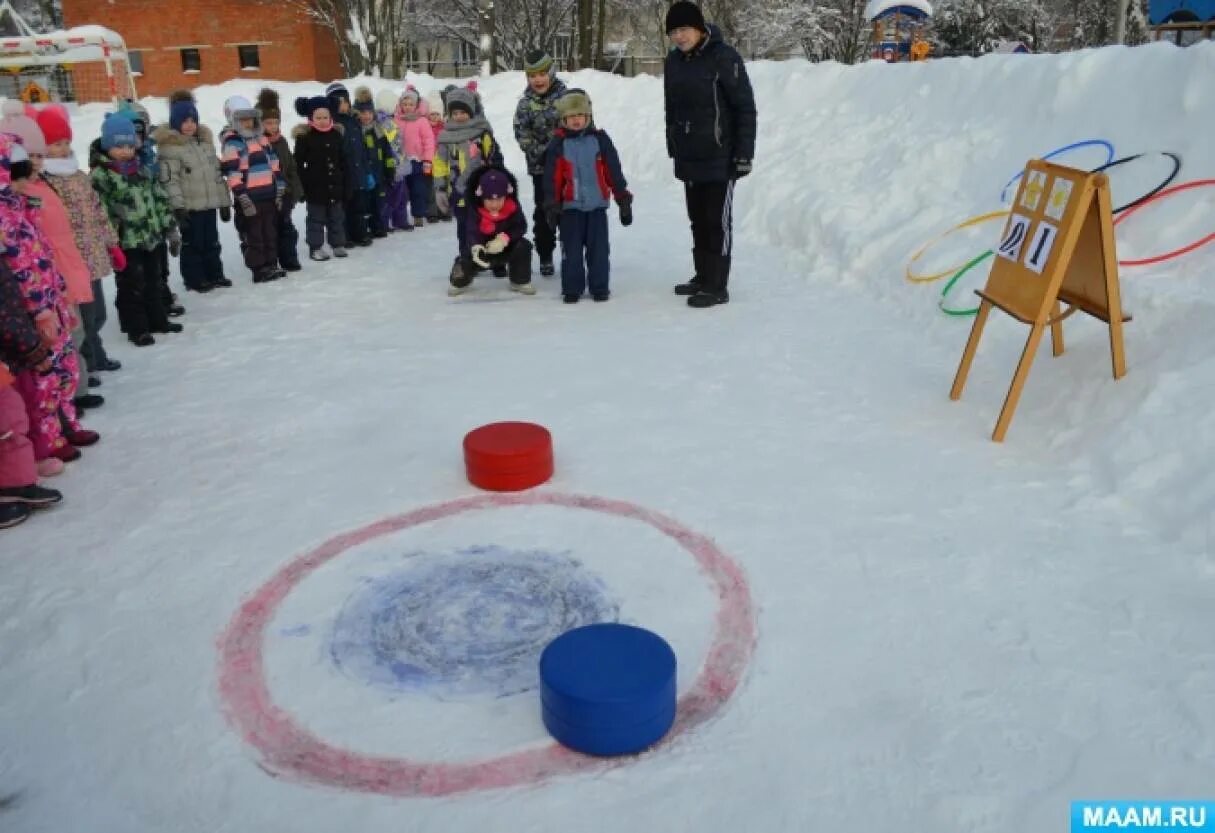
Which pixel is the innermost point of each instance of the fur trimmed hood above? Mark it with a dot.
(166, 136)
(304, 129)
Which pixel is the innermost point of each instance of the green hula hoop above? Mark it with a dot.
(957, 276)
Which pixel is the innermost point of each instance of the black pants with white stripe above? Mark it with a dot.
(711, 210)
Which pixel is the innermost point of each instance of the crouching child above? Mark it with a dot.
(496, 230)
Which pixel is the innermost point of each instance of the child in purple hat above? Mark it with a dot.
(496, 232)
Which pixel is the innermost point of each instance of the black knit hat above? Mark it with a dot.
(683, 14)
(307, 107)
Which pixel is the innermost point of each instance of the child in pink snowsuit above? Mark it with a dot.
(21, 348)
(28, 254)
(418, 142)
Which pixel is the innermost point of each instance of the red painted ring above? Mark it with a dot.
(289, 750)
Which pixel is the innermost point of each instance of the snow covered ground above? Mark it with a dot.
(952, 635)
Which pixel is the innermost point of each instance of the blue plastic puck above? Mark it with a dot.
(608, 689)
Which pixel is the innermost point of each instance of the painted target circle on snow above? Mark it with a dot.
(447, 630)
(468, 622)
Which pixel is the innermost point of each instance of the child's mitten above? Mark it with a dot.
(552, 214)
(498, 244)
(478, 256)
(246, 205)
(625, 201)
(119, 258)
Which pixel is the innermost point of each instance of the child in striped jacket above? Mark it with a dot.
(252, 170)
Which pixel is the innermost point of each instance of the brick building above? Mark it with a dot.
(185, 44)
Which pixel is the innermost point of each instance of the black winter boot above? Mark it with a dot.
(693, 286)
(462, 272)
(715, 279)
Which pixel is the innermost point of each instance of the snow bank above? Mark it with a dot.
(858, 166)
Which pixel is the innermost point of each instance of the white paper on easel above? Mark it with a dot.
(1014, 237)
(1060, 196)
(1037, 254)
(1031, 194)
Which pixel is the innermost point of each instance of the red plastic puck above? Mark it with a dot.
(508, 456)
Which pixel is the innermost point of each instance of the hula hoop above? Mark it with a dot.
(973, 221)
(960, 313)
(1140, 200)
(1167, 192)
(1109, 149)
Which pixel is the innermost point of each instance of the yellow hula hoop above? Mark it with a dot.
(973, 221)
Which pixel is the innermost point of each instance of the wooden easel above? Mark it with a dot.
(1057, 248)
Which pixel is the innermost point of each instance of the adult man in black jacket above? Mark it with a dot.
(711, 136)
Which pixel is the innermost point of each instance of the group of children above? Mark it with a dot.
(575, 173)
(364, 167)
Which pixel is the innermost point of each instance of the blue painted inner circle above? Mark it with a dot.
(464, 623)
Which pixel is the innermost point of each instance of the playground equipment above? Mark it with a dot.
(84, 64)
(1182, 22)
(898, 29)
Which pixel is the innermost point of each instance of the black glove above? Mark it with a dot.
(225, 214)
(742, 167)
(183, 219)
(552, 215)
(626, 210)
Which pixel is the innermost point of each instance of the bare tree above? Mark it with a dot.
(518, 25)
(369, 33)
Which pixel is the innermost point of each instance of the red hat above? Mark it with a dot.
(55, 124)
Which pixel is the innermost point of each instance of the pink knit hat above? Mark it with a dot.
(17, 123)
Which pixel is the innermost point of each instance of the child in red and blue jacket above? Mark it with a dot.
(581, 174)
(496, 232)
(252, 170)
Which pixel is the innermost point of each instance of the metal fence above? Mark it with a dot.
(626, 65)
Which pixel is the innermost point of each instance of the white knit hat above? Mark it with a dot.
(385, 101)
(434, 100)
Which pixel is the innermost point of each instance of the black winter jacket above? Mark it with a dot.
(356, 152)
(711, 118)
(321, 161)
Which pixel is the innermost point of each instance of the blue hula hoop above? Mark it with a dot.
(1109, 149)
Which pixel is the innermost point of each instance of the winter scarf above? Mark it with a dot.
(458, 134)
(127, 168)
(489, 222)
(60, 167)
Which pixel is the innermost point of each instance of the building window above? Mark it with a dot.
(191, 60)
(249, 57)
(467, 54)
(562, 45)
(135, 61)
